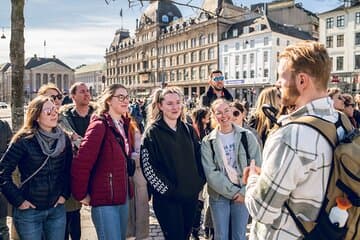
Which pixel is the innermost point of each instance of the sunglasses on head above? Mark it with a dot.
(218, 78)
(341, 98)
(236, 113)
(49, 111)
(59, 96)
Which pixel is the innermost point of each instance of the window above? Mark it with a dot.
(357, 61)
(211, 53)
(244, 57)
(357, 18)
(251, 58)
(237, 60)
(226, 48)
(252, 43)
(186, 60)
(193, 73)
(357, 38)
(202, 72)
(202, 40)
(266, 56)
(226, 75)
(339, 63)
(237, 46)
(193, 42)
(211, 37)
(266, 72)
(193, 56)
(237, 74)
(226, 61)
(340, 40)
(340, 21)
(202, 55)
(278, 41)
(235, 32)
(329, 41)
(244, 74)
(329, 23)
(252, 73)
(266, 41)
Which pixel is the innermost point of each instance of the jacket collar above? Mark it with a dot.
(213, 134)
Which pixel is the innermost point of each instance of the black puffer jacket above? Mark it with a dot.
(44, 189)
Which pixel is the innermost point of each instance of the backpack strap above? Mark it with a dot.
(325, 128)
(212, 148)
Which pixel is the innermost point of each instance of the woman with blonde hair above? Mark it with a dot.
(42, 152)
(226, 151)
(171, 163)
(51, 90)
(99, 171)
(258, 120)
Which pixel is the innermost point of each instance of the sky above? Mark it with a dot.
(79, 31)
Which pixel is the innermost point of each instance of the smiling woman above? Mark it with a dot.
(38, 200)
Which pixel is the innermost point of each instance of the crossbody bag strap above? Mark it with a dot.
(34, 173)
(296, 220)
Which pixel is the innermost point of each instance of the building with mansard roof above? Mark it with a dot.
(168, 49)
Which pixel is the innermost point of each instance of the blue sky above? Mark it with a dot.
(79, 31)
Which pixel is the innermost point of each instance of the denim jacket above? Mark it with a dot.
(218, 182)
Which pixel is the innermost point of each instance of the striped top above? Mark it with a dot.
(296, 166)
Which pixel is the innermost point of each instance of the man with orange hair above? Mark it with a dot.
(296, 158)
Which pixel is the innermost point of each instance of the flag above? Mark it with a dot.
(121, 12)
(44, 43)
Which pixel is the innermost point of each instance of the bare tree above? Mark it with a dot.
(17, 63)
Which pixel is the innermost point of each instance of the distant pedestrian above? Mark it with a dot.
(99, 171)
(216, 89)
(170, 160)
(42, 152)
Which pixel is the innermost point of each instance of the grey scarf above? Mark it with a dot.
(51, 143)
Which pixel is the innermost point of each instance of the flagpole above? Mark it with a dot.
(44, 48)
(121, 16)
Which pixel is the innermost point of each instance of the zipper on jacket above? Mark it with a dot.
(111, 186)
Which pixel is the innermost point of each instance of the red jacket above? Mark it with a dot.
(99, 169)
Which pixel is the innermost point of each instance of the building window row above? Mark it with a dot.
(340, 21)
(339, 41)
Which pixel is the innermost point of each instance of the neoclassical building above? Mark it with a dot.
(39, 71)
(168, 49)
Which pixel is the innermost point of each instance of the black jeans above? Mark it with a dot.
(73, 227)
(175, 217)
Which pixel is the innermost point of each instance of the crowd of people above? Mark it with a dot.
(216, 160)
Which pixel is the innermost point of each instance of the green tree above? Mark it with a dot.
(17, 63)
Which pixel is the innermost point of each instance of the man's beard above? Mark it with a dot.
(218, 89)
(290, 95)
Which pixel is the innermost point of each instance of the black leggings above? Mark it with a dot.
(175, 217)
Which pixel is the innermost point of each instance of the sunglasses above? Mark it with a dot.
(218, 79)
(236, 113)
(122, 98)
(349, 104)
(59, 96)
(49, 111)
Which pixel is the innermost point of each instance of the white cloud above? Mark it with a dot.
(73, 46)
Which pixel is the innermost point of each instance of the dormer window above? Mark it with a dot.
(165, 19)
(246, 29)
(235, 32)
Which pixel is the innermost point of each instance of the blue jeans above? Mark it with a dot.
(110, 221)
(32, 224)
(222, 210)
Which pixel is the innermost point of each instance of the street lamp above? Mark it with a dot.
(3, 34)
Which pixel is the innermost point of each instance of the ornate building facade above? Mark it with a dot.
(168, 49)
